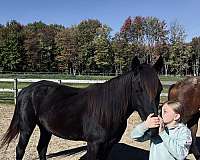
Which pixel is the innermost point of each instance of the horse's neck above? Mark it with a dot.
(121, 90)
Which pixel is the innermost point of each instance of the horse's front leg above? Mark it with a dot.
(92, 151)
(104, 151)
(106, 148)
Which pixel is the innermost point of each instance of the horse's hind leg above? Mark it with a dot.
(45, 137)
(26, 124)
(25, 135)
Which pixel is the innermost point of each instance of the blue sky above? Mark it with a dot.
(110, 12)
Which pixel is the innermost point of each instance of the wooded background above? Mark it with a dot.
(91, 47)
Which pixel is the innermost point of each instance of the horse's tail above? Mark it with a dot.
(13, 130)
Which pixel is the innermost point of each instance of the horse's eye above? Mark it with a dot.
(137, 90)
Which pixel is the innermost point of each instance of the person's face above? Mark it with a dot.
(168, 114)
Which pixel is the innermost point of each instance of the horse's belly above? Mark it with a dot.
(75, 136)
(65, 127)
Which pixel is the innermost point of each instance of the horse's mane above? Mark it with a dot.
(150, 80)
(108, 101)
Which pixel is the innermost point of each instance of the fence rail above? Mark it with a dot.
(15, 88)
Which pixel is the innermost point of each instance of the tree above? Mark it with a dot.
(177, 32)
(1, 45)
(40, 46)
(47, 48)
(123, 53)
(179, 53)
(31, 46)
(155, 35)
(12, 52)
(103, 55)
(145, 32)
(67, 55)
(195, 55)
(117, 47)
(87, 30)
(179, 58)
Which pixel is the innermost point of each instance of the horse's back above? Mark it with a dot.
(189, 91)
(36, 93)
(46, 87)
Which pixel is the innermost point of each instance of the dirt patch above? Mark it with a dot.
(58, 148)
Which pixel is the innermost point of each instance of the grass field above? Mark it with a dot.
(67, 76)
(53, 76)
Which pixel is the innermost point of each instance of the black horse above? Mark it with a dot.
(96, 114)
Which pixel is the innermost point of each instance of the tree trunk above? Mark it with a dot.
(166, 69)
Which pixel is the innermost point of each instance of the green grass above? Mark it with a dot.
(54, 76)
(6, 85)
(11, 85)
(78, 85)
(171, 78)
(163, 99)
(6, 97)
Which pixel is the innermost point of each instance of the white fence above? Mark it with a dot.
(15, 88)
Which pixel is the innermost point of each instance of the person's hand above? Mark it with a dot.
(152, 122)
(162, 125)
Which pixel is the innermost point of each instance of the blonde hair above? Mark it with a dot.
(176, 106)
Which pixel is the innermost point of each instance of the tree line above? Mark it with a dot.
(88, 47)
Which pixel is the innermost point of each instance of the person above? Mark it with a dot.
(174, 138)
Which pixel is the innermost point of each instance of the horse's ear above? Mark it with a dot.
(159, 64)
(135, 64)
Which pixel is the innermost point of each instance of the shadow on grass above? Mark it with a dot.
(68, 152)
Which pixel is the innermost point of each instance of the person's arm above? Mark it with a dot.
(138, 133)
(178, 147)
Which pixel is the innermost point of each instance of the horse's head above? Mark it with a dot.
(146, 87)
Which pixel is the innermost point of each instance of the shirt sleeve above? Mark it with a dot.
(178, 146)
(139, 133)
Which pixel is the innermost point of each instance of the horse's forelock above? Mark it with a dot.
(150, 79)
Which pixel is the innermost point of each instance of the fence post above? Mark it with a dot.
(15, 90)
